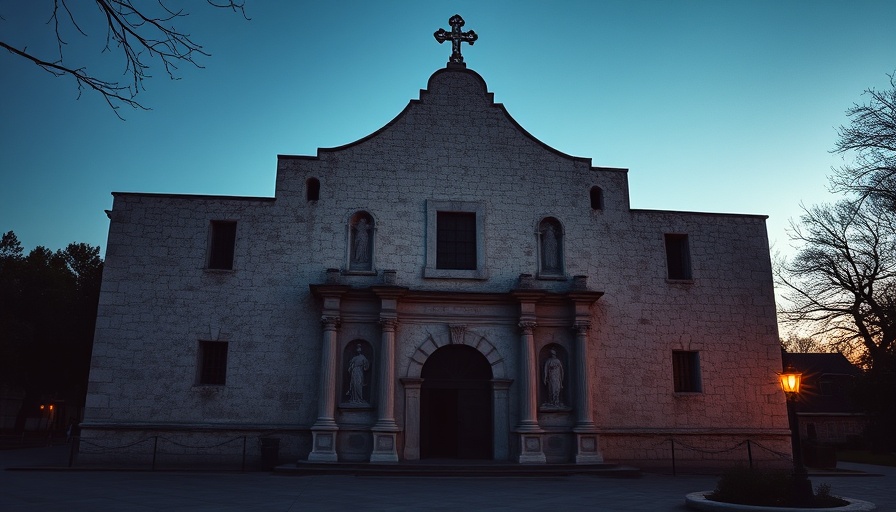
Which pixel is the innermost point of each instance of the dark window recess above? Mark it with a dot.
(597, 198)
(212, 362)
(223, 240)
(678, 256)
(456, 240)
(686, 371)
(312, 189)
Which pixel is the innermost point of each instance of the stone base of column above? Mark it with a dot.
(588, 448)
(324, 445)
(531, 450)
(384, 447)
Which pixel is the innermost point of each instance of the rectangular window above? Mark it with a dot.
(223, 239)
(686, 371)
(678, 256)
(456, 240)
(212, 363)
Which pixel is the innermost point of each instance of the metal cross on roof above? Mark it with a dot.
(456, 37)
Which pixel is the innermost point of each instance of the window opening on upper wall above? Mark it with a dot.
(312, 189)
(597, 198)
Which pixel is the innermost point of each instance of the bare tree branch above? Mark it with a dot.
(841, 285)
(871, 137)
(143, 35)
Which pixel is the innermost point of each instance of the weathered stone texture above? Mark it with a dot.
(453, 144)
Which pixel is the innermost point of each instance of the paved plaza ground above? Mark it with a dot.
(78, 490)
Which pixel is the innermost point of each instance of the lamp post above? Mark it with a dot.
(802, 487)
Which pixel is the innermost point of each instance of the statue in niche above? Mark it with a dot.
(553, 379)
(550, 248)
(361, 253)
(356, 368)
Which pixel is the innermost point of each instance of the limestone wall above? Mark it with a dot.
(454, 144)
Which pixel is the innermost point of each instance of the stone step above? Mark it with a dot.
(458, 468)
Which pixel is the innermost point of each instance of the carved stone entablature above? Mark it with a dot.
(457, 334)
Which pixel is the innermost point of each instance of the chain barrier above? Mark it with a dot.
(672, 443)
(96, 448)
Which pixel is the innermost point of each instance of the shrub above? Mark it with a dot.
(765, 488)
(753, 487)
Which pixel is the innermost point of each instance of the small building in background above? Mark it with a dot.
(827, 411)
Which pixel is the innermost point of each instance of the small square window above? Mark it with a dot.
(221, 245)
(678, 256)
(686, 371)
(212, 363)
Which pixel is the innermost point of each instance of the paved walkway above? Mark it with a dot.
(76, 491)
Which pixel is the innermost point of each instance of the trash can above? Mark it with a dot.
(270, 453)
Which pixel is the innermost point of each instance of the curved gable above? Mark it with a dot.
(455, 106)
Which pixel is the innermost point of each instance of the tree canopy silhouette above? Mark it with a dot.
(48, 306)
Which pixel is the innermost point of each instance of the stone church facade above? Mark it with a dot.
(446, 287)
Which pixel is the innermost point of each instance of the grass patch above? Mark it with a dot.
(766, 488)
(866, 457)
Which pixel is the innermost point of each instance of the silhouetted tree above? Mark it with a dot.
(142, 33)
(795, 343)
(871, 137)
(841, 285)
(48, 304)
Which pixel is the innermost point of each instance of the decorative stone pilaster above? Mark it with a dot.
(385, 431)
(587, 447)
(587, 442)
(324, 429)
(528, 381)
(528, 430)
(501, 421)
(411, 417)
(323, 446)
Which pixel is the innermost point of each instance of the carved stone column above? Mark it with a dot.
(587, 448)
(324, 429)
(531, 450)
(412, 417)
(528, 381)
(587, 442)
(385, 429)
(528, 430)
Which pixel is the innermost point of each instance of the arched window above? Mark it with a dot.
(550, 247)
(312, 189)
(597, 198)
(361, 234)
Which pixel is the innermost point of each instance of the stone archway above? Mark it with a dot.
(456, 405)
(499, 390)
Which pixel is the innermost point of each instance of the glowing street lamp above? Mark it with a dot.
(802, 488)
(790, 382)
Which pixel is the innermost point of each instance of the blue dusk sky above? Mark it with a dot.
(718, 106)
